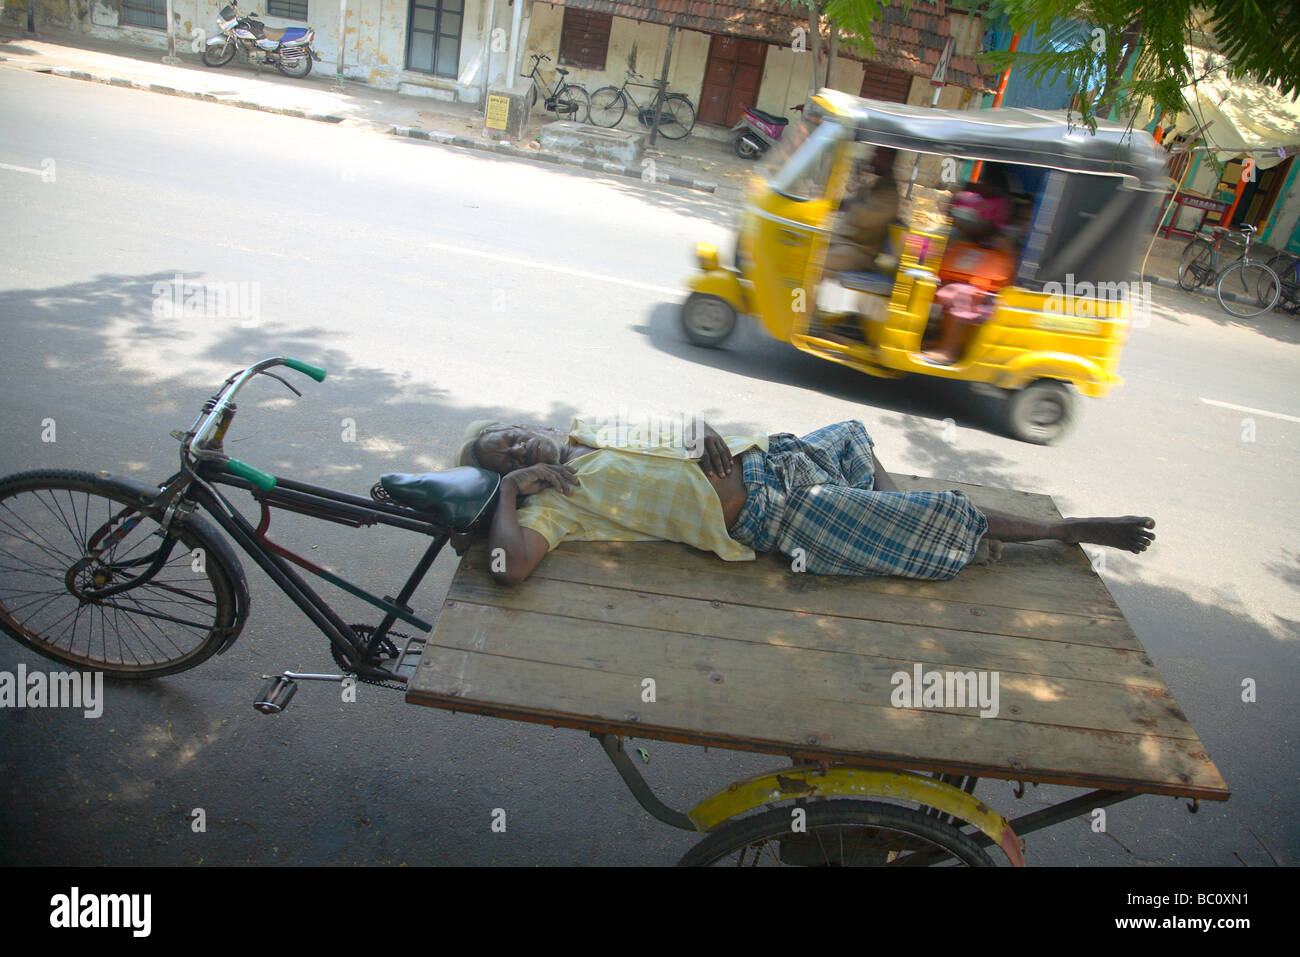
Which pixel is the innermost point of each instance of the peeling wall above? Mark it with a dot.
(374, 41)
(48, 12)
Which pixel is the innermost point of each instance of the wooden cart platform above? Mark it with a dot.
(752, 656)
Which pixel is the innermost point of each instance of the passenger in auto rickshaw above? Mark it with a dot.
(980, 260)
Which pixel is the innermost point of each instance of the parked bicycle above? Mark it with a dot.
(676, 112)
(567, 100)
(1287, 268)
(107, 573)
(1246, 287)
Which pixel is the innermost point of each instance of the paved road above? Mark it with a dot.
(439, 287)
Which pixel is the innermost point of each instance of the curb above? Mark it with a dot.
(563, 159)
(191, 94)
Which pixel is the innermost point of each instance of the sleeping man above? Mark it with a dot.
(824, 500)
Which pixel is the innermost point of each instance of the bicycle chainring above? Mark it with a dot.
(387, 650)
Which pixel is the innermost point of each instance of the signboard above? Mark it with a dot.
(940, 75)
(498, 111)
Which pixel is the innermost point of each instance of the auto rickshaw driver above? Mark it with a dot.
(867, 215)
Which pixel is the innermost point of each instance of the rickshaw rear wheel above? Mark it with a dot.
(707, 320)
(837, 834)
(1042, 412)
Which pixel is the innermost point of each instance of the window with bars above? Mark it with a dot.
(287, 9)
(145, 13)
(584, 39)
(433, 36)
(882, 83)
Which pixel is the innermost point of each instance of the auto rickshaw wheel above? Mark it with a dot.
(1042, 412)
(707, 320)
(846, 833)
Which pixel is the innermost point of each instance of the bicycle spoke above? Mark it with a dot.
(149, 625)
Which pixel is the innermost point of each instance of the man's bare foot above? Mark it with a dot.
(1132, 533)
(988, 551)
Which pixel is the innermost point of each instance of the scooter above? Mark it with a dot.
(288, 50)
(762, 130)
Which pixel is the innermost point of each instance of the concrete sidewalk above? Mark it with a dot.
(702, 161)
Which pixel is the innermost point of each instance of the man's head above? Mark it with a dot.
(504, 448)
(882, 161)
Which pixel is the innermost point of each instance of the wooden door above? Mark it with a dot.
(731, 78)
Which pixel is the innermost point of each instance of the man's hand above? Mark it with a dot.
(716, 458)
(535, 478)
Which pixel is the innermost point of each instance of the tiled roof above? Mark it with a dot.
(911, 41)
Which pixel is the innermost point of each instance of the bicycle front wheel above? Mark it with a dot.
(1248, 288)
(607, 106)
(64, 536)
(1194, 266)
(676, 116)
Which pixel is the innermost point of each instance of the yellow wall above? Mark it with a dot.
(632, 46)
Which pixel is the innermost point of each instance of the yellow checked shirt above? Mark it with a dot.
(643, 483)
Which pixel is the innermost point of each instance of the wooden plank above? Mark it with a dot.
(943, 647)
(459, 679)
(768, 581)
(790, 680)
(668, 569)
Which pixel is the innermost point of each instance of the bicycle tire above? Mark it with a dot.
(1284, 264)
(608, 107)
(1194, 265)
(682, 115)
(48, 519)
(1257, 286)
(580, 99)
(901, 829)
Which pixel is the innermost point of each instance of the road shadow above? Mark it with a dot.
(751, 353)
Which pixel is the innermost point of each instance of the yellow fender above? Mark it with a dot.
(1087, 376)
(724, 284)
(811, 781)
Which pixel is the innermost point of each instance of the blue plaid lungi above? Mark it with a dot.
(816, 494)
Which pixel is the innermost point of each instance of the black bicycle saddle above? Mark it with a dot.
(457, 498)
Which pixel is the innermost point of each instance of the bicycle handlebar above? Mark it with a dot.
(203, 432)
(263, 480)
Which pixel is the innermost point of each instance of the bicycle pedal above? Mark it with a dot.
(275, 695)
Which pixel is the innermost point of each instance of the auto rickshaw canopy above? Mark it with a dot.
(1027, 137)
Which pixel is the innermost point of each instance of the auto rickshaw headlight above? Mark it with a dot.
(707, 254)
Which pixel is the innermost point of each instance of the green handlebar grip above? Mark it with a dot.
(306, 368)
(263, 480)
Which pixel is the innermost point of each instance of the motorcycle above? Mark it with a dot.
(762, 131)
(288, 50)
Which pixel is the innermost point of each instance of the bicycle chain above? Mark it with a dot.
(388, 649)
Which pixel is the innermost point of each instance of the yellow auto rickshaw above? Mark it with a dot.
(1054, 323)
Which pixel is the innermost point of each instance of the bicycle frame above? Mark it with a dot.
(662, 91)
(204, 468)
(274, 559)
(539, 82)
